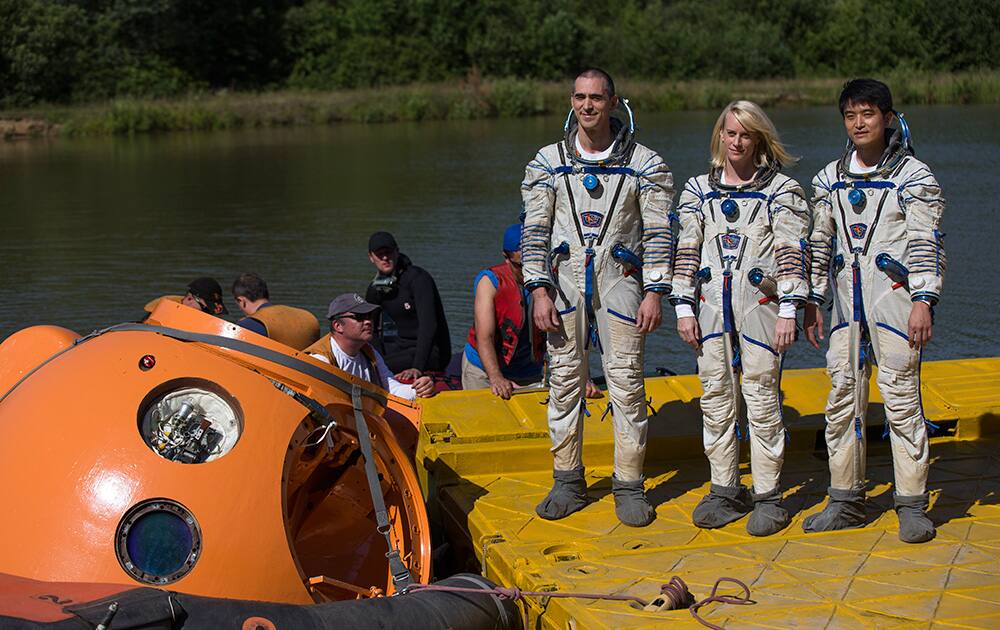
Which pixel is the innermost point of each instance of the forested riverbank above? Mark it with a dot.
(130, 66)
(460, 100)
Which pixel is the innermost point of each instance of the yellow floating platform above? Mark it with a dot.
(485, 464)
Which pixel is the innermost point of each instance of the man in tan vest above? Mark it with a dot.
(294, 327)
(348, 346)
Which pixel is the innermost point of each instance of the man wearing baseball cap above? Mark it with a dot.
(414, 337)
(348, 346)
(204, 294)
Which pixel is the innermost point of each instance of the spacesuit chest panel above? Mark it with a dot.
(869, 222)
(599, 198)
(866, 213)
(736, 223)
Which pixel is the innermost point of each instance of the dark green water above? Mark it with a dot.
(92, 229)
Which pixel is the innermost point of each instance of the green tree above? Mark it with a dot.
(42, 50)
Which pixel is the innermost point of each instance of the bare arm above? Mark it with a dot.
(484, 316)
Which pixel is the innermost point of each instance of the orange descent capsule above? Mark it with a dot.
(189, 452)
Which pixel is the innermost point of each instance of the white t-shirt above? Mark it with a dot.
(857, 167)
(359, 366)
(593, 157)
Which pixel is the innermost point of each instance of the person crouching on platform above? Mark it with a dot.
(348, 346)
(597, 259)
(294, 327)
(503, 351)
(739, 277)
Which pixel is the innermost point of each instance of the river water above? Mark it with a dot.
(94, 228)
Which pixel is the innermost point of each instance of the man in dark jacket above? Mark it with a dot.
(414, 336)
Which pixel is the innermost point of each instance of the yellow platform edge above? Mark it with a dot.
(485, 464)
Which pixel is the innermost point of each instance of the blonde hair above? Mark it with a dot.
(770, 150)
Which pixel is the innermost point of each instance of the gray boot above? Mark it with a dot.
(722, 505)
(844, 510)
(568, 495)
(914, 526)
(769, 516)
(631, 505)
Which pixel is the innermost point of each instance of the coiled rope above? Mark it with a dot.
(674, 595)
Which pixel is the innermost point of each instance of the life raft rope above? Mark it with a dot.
(674, 595)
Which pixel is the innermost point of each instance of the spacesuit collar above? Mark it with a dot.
(761, 178)
(621, 145)
(896, 149)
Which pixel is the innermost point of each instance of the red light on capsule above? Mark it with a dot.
(147, 362)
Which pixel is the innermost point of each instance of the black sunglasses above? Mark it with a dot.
(358, 317)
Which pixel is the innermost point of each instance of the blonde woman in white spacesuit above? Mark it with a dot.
(876, 238)
(739, 276)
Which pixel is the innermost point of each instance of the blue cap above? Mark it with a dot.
(512, 238)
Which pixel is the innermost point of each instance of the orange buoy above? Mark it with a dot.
(165, 454)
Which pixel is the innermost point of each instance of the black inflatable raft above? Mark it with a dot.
(35, 604)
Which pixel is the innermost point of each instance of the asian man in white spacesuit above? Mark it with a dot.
(876, 238)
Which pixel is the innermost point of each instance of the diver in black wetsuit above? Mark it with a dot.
(414, 335)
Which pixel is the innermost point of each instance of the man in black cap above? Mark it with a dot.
(204, 294)
(414, 336)
(348, 346)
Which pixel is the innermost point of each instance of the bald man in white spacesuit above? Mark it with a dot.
(597, 253)
(877, 214)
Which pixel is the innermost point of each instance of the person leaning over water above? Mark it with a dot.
(597, 253)
(877, 215)
(204, 294)
(348, 346)
(738, 278)
(503, 350)
(291, 326)
(414, 335)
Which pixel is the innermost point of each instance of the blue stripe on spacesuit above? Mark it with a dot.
(937, 250)
(842, 185)
(856, 292)
(748, 194)
(858, 316)
(891, 329)
(727, 302)
(710, 336)
(658, 245)
(588, 291)
(596, 170)
(761, 344)
(621, 316)
(839, 326)
(588, 297)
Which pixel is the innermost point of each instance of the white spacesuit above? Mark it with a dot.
(877, 235)
(741, 252)
(597, 233)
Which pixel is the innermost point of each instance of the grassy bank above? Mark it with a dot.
(505, 98)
